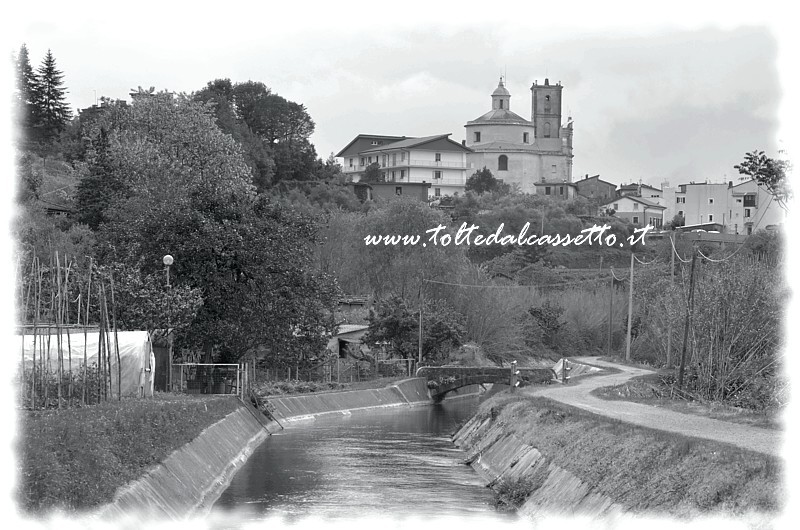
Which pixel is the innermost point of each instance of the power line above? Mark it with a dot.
(763, 212)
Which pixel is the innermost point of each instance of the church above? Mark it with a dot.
(537, 154)
(534, 155)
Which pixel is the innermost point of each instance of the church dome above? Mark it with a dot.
(501, 89)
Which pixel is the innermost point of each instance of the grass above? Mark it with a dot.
(649, 389)
(75, 459)
(643, 470)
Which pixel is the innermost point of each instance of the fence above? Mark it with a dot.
(210, 378)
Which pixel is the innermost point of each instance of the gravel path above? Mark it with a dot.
(579, 395)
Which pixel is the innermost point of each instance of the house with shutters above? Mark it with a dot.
(636, 210)
(437, 161)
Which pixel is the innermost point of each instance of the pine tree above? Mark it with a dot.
(26, 83)
(52, 111)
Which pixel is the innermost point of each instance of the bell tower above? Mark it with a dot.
(546, 109)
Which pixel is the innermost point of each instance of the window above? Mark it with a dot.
(402, 174)
(561, 190)
(547, 130)
(501, 103)
(383, 176)
(438, 157)
(369, 160)
(374, 142)
(710, 201)
(477, 136)
(747, 212)
(437, 192)
(547, 190)
(351, 162)
(553, 169)
(680, 200)
(362, 160)
(398, 190)
(616, 207)
(502, 163)
(524, 138)
(739, 201)
(393, 175)
(547, 98)
(437, 174)
(394, 159)
(636, 206)
(750, 201)
(711, 218)
(383, 162)
(636, 219)
(402, 157)
(680, 212)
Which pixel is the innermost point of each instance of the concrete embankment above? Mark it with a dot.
(497, 455)
(192, 478)
(409, 392)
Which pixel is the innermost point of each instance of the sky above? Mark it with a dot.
(654, 96)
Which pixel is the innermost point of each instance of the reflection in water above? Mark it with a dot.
(388, 462)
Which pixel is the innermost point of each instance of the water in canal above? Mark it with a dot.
(390, 462)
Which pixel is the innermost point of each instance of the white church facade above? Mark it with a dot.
(519, 151)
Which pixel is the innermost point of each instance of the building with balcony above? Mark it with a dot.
(436, 160)
(519, 151)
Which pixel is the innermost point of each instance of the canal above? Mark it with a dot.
(390, 462)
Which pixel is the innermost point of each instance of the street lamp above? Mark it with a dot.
(167, 260)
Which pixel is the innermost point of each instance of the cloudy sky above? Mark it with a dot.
(675, 94)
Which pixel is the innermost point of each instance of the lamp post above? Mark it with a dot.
(168, 260)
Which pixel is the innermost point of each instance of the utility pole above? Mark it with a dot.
(610, 312)
(689, 311)
(419, 360)
(630, 314)
(672, 283)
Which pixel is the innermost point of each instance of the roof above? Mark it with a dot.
(501, 89)
(501, 116)
(362, 141)
(409, 143)
(350, 328)
(634, 185)
(647, 203)
(598, 180)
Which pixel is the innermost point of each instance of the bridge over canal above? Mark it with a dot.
(444, 379)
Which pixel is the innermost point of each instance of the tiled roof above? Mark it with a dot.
(501, 116)
(416, 142)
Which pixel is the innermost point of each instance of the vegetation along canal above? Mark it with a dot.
(389, 463)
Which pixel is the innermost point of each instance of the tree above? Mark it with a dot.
(49, 98)
(677, 222)
(24, 96)
(188, 193)
(482, 181)
(768, 172)
(394, 323)
(372, 173)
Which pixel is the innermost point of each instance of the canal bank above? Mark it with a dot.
(545, 458)
(190, 480)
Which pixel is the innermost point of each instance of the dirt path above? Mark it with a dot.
(579, 395)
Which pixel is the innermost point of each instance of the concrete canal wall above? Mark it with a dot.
(190, 480)
(497, 455)
(409, 392)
